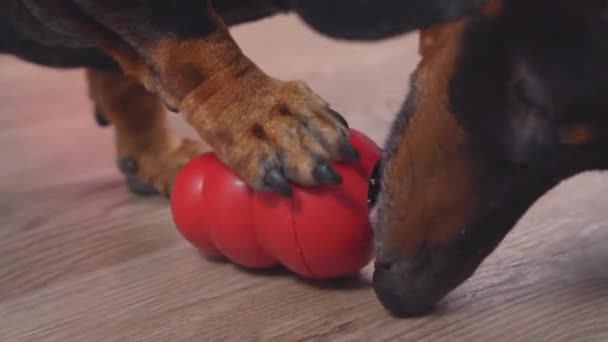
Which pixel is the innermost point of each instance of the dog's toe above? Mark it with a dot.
(140, 188)
(128, 166)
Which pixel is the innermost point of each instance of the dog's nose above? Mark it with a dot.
(401, 293)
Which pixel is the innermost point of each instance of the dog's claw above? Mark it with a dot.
(139, 188)
(326, 174)
(275, 180)
(349, 152)
(338, 117)
(128, 166)
(101, 119)
(171, 108)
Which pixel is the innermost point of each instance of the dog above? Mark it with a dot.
(504, 104)
(144, 56)
(499, 110)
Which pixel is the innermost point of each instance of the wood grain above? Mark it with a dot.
(83, 260)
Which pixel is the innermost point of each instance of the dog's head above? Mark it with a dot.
(504, 105)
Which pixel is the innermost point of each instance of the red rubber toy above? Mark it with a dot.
(318, 233)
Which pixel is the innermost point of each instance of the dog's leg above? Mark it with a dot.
(149, 153)
(267, 130)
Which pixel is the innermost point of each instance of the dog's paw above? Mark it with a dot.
(154, 172)
(281, 132)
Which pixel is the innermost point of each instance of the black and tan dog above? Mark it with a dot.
(509, 99)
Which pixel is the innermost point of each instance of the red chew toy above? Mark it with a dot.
(318, 233)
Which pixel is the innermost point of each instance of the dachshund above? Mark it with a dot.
(509, 99)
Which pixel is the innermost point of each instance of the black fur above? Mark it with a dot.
(145, 21)
(32, 30)
(377, 19)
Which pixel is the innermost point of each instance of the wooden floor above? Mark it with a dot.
(83, 260)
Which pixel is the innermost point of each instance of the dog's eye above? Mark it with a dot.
(373, 189)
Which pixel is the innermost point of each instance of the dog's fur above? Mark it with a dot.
(499, 111)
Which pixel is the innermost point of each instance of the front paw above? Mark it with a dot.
(154, 172)
(282, 132)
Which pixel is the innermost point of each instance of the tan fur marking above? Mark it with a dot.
(577, 134)
(436, 197)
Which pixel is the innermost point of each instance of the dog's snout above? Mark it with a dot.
(410, 286)
(400, 297)
(400, 266)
